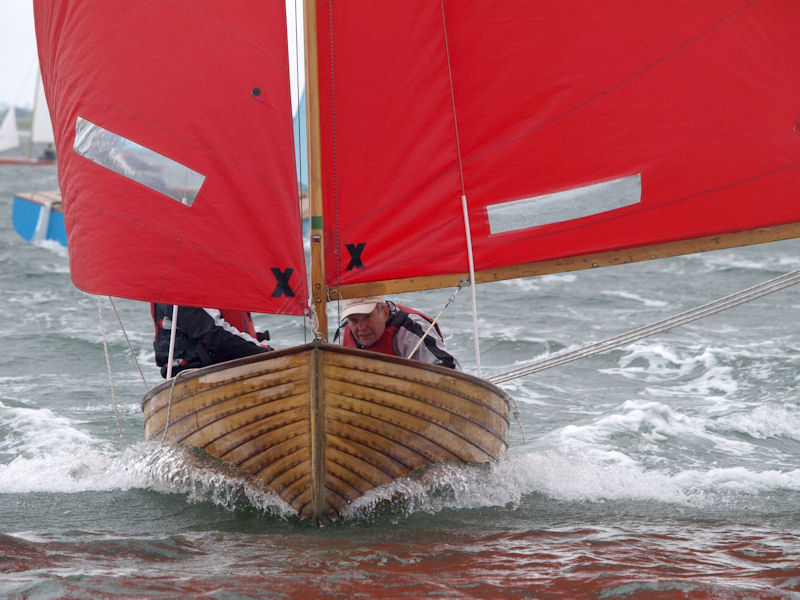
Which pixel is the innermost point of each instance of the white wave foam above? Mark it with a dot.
(534, 284)
(699, 366)
(636, 298)
(754, 260)
(32, 432)
(650, 423)
(148, 465)
(54, 455)
(566, 478)
(581, 478)
(764, 422)
(203, 478)
(88, 469)
(57, 248)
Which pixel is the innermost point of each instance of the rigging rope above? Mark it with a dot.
(169, 404)
(108, 360)
(433, 323)
(130, 346)
(747, 295)
(464, 207)
(110, 375)
(138, 366)
(516, 414)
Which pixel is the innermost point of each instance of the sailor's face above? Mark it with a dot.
(368, 328)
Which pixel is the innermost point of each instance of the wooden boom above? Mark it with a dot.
(572, 263)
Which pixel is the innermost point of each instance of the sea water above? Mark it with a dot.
(669, 468)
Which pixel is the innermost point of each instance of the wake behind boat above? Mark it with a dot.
(441, 151)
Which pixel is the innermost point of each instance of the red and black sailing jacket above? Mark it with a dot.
(204, 336)
(404, 328)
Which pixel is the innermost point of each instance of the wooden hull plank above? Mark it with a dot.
(426, 430)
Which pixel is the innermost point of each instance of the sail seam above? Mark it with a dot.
(337, 244)
(453, 102)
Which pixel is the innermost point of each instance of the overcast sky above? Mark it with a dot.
(17, 52)
(18, 58)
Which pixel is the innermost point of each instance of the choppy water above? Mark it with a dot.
(667, 469)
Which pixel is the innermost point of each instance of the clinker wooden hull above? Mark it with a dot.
(321, 425)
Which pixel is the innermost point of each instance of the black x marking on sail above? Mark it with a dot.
(282, 288)
(355, 251)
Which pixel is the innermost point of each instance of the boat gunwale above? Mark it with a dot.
(322, 346)
(183, 378)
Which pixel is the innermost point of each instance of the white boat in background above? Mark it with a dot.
(9, 134)
(40, 132)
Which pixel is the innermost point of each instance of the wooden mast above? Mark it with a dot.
(319, 296)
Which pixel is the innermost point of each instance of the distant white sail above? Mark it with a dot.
(9, 136)
(41, 128)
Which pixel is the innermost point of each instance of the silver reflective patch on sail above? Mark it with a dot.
(565, 206)
(136, 162)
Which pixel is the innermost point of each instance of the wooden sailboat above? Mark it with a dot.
(446, 138)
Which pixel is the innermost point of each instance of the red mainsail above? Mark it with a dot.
(571, 126)
(173, 127)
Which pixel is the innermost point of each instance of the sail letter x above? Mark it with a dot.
(282, 288)
(355, 251)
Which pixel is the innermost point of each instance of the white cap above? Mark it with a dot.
(361, 306)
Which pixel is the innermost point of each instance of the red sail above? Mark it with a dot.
(572, 127)
(173, 128)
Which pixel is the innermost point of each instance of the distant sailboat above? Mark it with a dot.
(39, 216)
(9, 134)
(36, 215)
(41, 132)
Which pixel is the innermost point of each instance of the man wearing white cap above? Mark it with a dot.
(379, 325)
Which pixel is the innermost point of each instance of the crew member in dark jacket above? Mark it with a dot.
(382, 326)
(205, 336)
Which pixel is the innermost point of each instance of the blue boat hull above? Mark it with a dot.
(38, 216)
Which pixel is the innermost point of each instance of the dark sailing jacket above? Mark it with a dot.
(205, 336)
(403, 330)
